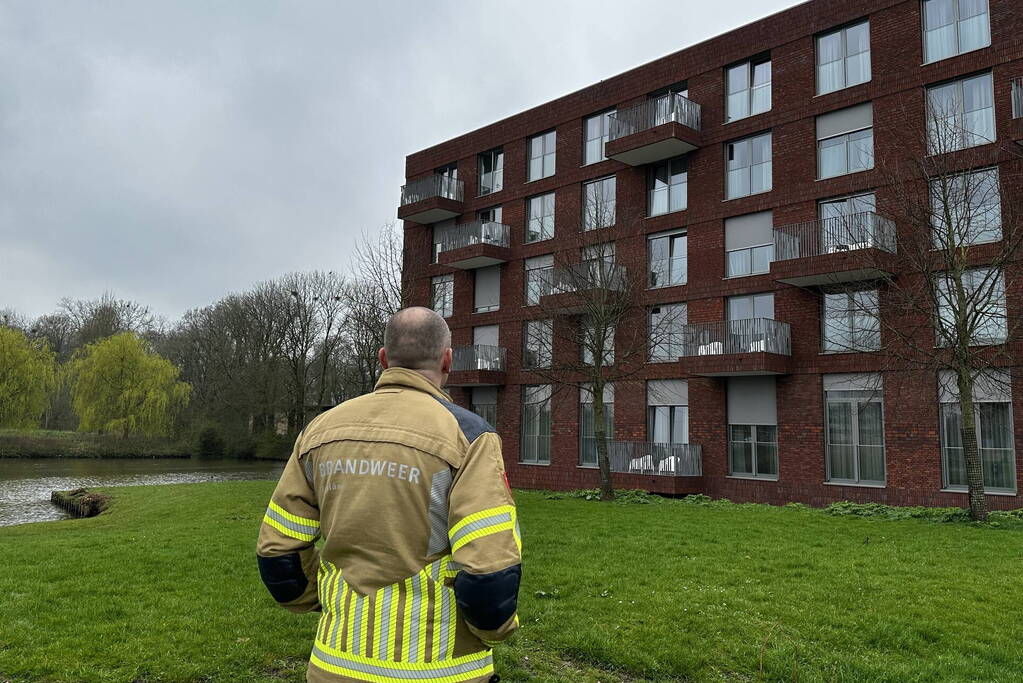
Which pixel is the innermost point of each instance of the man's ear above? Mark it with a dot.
(382, 357)
(445, 362)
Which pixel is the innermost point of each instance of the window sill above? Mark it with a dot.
(844, 175)
(986, 492)
(839, 353)
(857, 485)
(587, 467)
(959, 54)
(754, 194)
(535, 464)
(490, 194)
(844, 87)
(487, 310)
(739, 277)
(668, 286)
(747, 117)
(744, 478)
(666, 213)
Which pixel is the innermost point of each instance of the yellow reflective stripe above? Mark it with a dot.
(365, 606)
(438, 604)
(392, 635)
(350, 617)
(321, 591)
(424, 615)
(286, 531)
(489, 512)
(406, 630)
(480, 533)
(373, 670)
(294, 518)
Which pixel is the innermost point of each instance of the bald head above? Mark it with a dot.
(416, 338)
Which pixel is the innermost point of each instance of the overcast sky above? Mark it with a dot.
(175, 151)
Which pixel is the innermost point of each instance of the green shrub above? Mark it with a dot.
(879, 510)
(210, 443)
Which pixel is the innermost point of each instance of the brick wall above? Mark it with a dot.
(913, 464)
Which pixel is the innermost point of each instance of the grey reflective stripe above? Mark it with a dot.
(360, 605)
(440, 486)
(447, 611)
(414, 634)
(384, 629)
(482, 665)
(308, 467)
(294, 526)
(492, 520)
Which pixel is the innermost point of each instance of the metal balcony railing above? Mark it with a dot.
(864, 230)
(582, 276)
(476, 232)
(1017, 98)
(432, 186)
(474, 358)
(664, 459)
(748, 335)
(653, 113)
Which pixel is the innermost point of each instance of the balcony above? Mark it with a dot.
(582, 287)
(477, 366)
(751, 346)
(475, 245)
(431, 199)
(658, 459)
(860, 246)
(655, 130)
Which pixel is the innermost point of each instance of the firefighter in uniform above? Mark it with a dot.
(417, 576)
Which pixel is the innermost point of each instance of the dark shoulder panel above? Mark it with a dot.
(472, 425)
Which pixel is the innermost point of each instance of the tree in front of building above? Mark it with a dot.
(28, 373)
(120, 386)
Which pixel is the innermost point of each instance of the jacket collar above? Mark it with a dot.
(403, 377)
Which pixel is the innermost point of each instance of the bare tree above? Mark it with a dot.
(96, 319)
(943, 253)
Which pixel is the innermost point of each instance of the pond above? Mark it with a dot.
(26, 483)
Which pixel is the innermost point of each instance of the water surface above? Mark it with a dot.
(26, 483)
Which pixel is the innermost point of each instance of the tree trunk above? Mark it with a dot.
(607, 492)
(971, 454)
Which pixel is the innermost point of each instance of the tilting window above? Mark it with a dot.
(541, 155)
(845, 141)
(668, 187)
(749, 166)
(843, 58)
(668, 264)
(749, 243)
(749, 88)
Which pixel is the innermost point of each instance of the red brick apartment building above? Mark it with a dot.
(715, 158)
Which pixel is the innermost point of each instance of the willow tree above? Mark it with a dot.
(28, 372)
(120, 386)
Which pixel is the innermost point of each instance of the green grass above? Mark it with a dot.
(163, 587)
(39, 443)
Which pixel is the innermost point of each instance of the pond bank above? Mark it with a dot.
(51, 444)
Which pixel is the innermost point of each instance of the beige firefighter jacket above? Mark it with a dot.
(406, 490)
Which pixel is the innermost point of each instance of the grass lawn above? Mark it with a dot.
(40, 443)
(163, 587)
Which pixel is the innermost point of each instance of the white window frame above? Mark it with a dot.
(846, 140)
(750, 91)
(956, 26)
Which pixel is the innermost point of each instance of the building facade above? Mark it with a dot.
(739, 186)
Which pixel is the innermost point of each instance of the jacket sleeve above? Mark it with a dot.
(485, 542)
(285, 552)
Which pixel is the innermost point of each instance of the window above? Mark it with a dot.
(752, 427)
(491, 169)
(749, 88)
(668, 187)
(749, 243)
(443, 232)
(537, 281)
(488, 289)
(664, 102)
(540, 225)
(596, 129)
(992, 409)
(536, 424)
(960, 114)
(667, 403)
(852, 321)
(983, 316)
(952, 27)
(541, 155)
(845, 141)
(855, 429)
(484, 403)
(749, 166)
(537, 343)
(487, 354)
(843, 58)
(590, 342)
(667, 332)
(588, 423)
(599, 203)
(751, 306)
(443, 294)
(849, 223)
(966, 209)
(668, 263)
